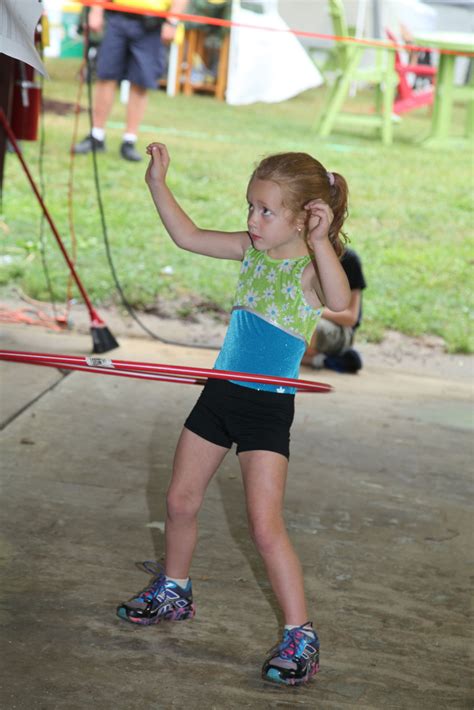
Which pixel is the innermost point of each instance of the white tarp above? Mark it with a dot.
(18, 20)
(266, 66)
(414, 15)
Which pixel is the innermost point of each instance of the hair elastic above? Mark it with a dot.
(330, 178)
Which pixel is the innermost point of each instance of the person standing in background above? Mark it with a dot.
(131, 49)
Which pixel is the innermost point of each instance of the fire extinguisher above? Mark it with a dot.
(26, 99)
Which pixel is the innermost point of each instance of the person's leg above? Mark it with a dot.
(332, 338)
(137, 103)
(103, 101)
(295, 659)
(102, 105)
(328, 339)
(144, 68)
(169, 596)
(196, 460)
(264, 476)
(111, 60)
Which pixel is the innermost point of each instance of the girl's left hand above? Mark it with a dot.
(319, 220)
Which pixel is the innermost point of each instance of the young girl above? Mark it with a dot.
(290, 270)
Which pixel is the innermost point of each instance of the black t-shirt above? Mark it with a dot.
(352, 265)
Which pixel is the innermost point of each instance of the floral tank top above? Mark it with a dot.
(271, 322)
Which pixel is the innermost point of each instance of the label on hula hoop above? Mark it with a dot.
(99, 362)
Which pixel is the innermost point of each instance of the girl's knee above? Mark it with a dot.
(267, 533)
(182, 505)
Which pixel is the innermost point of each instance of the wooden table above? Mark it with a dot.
(446, 92)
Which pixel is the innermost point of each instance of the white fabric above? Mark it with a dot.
(18, 22)
(413, 14)
(266, 66)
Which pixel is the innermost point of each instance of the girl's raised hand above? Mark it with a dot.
(320, 217)
(158, 165)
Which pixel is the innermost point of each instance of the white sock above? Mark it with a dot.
(129, 138)
(98, 133)
(180, 582)
(318, 361)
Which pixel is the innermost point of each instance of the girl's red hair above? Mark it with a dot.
(302, 178)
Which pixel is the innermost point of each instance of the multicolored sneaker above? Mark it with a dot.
(295, 659)
(161, 600)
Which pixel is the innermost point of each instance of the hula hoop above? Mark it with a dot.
(156, 371)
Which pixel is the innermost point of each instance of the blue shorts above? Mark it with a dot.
(129, 51)
(255, 420)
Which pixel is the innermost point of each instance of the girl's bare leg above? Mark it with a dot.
(264, 476)
(195, 462)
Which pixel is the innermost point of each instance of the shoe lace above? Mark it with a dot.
(293, 644)
(152, 590)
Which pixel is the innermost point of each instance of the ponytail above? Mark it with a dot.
(338, 194)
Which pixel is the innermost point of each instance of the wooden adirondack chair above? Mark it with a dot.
(382, 75)
(408, 97)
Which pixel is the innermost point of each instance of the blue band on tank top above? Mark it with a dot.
(253, 344)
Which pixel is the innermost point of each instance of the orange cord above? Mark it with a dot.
(32, 316)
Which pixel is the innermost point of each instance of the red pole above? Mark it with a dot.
(102, 338)
(96, 319)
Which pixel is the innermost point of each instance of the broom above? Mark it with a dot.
(102, 338)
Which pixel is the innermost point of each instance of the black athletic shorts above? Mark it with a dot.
(226, 413)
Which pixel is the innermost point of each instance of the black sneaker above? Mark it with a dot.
(88, 145)
(349, 361)
(129, 152)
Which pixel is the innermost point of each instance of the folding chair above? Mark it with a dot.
(382, 75)
(408, 97)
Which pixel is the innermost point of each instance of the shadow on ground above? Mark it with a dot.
(377, 506)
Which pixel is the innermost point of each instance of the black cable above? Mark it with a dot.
(105, 235)
(35, 399)
(43, 192)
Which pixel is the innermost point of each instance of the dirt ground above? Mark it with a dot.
(378, 507)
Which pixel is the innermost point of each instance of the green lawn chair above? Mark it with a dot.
(382, 75)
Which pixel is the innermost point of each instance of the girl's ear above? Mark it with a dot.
(301, 221)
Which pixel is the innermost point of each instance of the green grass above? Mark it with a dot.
(410, 207)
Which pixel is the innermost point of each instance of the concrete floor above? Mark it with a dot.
(377, 506)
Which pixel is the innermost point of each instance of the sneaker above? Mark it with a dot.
(88, 144)
(349, 361)
(161, 600)
(129, 152)
(295, 659)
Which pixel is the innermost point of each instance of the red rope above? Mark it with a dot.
(219, 22)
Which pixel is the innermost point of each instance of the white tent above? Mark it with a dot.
(264, 65)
